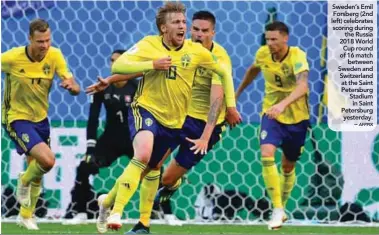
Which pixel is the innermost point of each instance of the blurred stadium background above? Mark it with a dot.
(330, 188)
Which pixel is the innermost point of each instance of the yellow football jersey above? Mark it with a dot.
(166, 94)
(280, 81)
(201, 90)
(27, 83)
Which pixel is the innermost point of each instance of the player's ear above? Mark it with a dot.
(286, 38)
(213, 32)
(163, 28)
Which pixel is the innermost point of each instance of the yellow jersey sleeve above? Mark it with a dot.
(6, 60)
(299, 62)
(136, 59)
(61, 66)
(210, 62)
(225, 62)
(216, 79)
(260, 56)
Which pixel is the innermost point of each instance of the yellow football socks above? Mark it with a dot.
(148, 191)
(35, 191)
(127, 184)
(287, 181)
(272, 181)
(34, 171)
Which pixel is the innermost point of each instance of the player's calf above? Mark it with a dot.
(166, 192)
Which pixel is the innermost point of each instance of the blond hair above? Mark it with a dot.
(169, 7)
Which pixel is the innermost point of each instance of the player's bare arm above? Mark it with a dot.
(301, 89)
(216, 101)
(71, 85)
(251, 73)
(103, 83)
(124, 74)
(233, 117)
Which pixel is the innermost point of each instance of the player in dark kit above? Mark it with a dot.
(112, 144)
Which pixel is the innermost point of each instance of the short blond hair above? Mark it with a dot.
(168, 7)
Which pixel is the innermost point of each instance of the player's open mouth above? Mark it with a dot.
(180, 35)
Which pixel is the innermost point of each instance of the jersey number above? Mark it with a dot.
(171, 73)
(278, 81)
(121, 116)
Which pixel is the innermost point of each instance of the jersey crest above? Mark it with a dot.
(285, 69)
(186, 60)
(46, 69)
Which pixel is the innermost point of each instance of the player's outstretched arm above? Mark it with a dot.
(301, 89)
(103, 83)
(251, 73)
(124, 65)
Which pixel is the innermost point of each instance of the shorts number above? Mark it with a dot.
(121, 116)
(278, 81)
(171, 73)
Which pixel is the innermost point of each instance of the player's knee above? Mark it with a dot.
(143, 153)
(143, 157)
(288, 163)
(287, 167)
(267, 153)
(168, 180)
(48, 161)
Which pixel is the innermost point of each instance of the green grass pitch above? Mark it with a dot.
(57, 228)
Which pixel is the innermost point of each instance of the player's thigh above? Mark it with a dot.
(143, 145)
(293, 144)
(271, 135)
(29, 141)
(173, 173)
(43, 129)
(143, 129)
(43, 155)
(166, 141)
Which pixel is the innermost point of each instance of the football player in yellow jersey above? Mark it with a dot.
(158, 112)
(205, 117)
(285, 113)
(29, 74)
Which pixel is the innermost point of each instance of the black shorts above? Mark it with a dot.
(111, 145)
